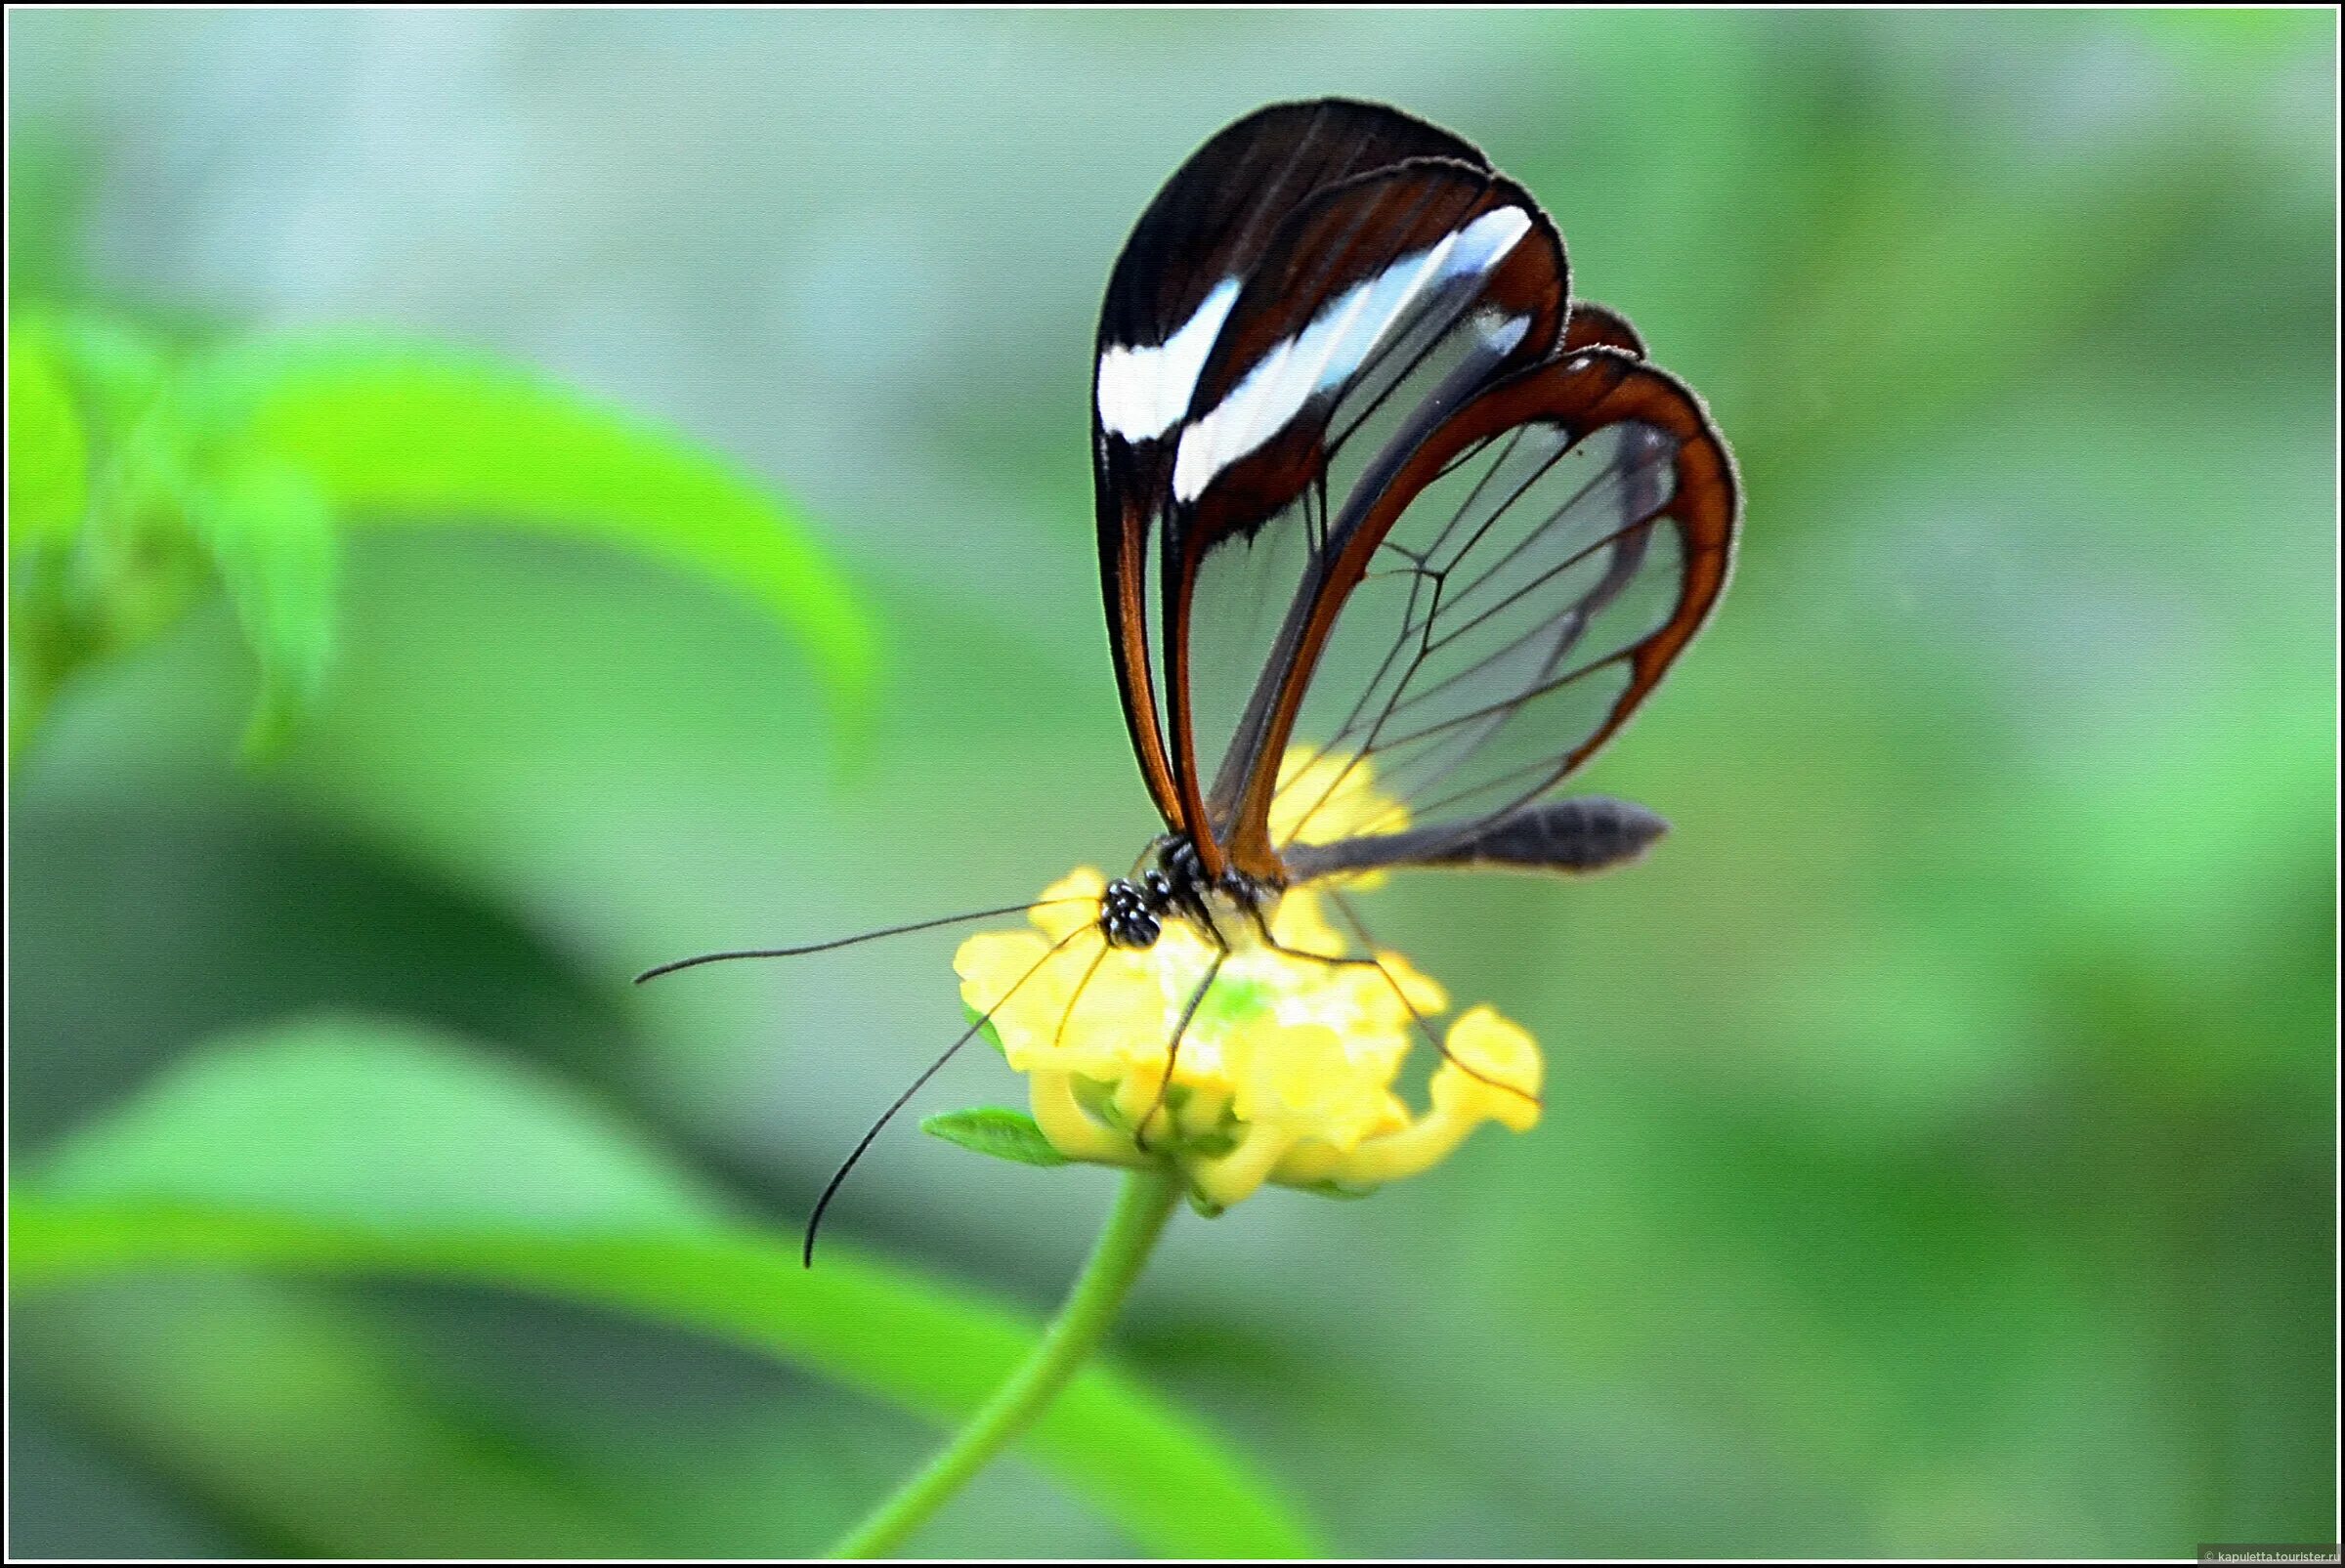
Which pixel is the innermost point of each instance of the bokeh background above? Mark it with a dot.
(1941, 1148)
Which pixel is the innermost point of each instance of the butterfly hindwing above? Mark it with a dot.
(1542, 560)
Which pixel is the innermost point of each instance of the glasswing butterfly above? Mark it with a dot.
(1374, 492)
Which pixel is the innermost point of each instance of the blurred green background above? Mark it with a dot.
(1939, 1153)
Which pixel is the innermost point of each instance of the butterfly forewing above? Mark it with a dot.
(1359, 283)
(1384, 302)
(1167, 298)
(1209, 227)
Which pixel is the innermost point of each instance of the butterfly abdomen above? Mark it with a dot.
(1574, 837)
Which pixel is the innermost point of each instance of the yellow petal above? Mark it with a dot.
(1491, 1071)
(1229, 1178)
(1421, 993)
(1299, 922)
(1070, 1128)
(1311, 1082)
(1395, 1156)
(991, 962)
(1326, 795)
(1056, 920)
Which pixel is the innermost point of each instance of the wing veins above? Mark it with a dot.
(1481, 616)
(1416, 663)
(1265, 693)
(1602, 477)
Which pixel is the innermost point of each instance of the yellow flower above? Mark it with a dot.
(1326, 795)
(1285, 1072)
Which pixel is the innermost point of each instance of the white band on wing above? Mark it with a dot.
(1336, 342)
(1144, 391)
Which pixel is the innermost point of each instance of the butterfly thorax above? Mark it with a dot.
(1132, 909)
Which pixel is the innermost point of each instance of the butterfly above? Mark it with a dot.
(1341, 377)
(1375, 497)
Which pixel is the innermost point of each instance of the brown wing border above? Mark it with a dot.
(1583, 391)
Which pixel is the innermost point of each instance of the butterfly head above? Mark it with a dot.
(1132, 909)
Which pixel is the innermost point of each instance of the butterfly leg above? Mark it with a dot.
(1359, 931)
(1345, 960)
(1188, 1014)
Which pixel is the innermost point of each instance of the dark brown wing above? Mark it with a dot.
(1173, 287)
(1370, 421)
(1599, 327)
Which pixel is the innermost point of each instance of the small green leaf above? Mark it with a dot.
(991, 1130)
(48, 459)
(1333, 1189)
(986, 1030)
(402, 432)
(272, 540)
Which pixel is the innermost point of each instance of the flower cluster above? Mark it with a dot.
(1285, 1071)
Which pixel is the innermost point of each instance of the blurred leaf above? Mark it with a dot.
(269, 1404)
(354, 1119)
(120, 369)
(2254, 36)
(46, 458)
(262, 450)
(404, 432)
(350, 1147)
(272, 540)
(51, 176)
(991, 1130)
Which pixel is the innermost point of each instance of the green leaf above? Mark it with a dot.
(1335, 1189)
(118, 367)
(263, 451)
(264, 1402)
(48, 459)
(352, 1119)
(986, 1029)
(272, 540)
(990, 1129)
(393, 431)
(350, 1147)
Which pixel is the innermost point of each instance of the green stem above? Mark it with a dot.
(1122, 1251)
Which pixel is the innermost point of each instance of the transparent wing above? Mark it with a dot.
(1543, 557)
(1386, 304)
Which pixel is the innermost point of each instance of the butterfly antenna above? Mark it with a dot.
(814, 1220)
(656, 970)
